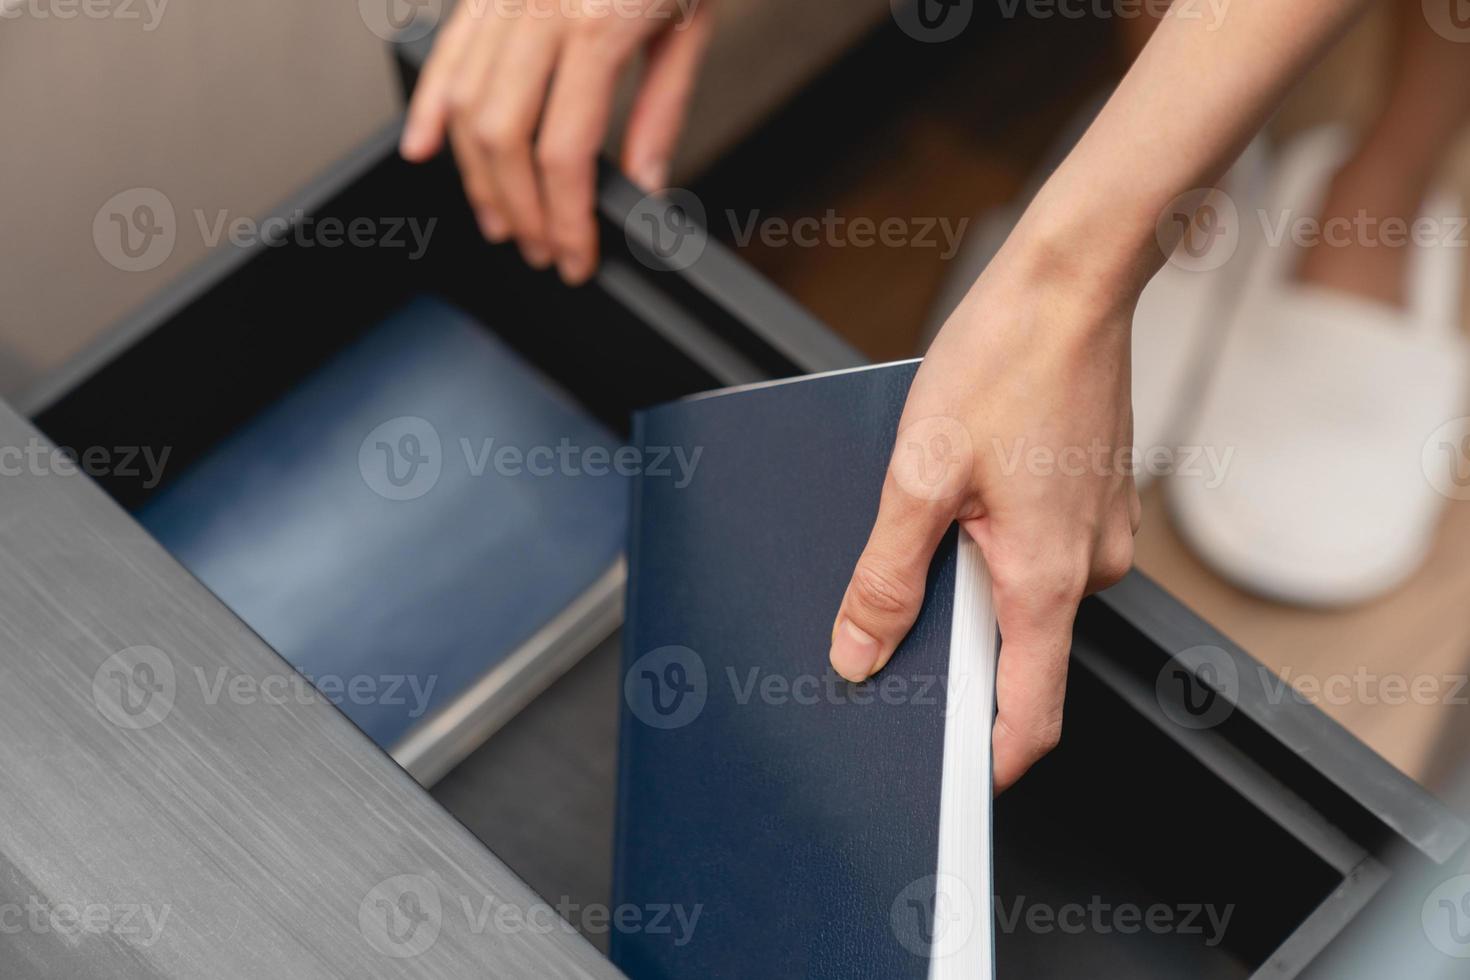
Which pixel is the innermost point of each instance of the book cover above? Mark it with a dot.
(405, 517)
(790, 823)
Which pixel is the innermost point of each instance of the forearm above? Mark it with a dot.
(1199, 91)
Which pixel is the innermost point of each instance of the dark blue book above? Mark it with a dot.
(404, 519)
(791, 824)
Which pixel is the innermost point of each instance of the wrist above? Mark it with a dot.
(1100, 250)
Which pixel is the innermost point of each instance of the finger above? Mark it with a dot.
(886, 591)
(576, 123)
(1036, 609)
(475, 171)
(467, 92)
(429, 109)
(663, 101)
(506, 123)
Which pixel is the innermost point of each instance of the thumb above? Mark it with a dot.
(887, 587)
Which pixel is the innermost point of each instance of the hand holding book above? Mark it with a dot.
(1012, 428)
(1019, 423)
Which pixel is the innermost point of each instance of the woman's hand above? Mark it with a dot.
(524, 90)
(1028, 385)
(1018, 426)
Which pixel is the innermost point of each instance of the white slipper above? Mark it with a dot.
(1322, 404)
(1172, 327)
(1177, 324)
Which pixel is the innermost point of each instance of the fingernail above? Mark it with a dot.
(573, 269)
(652, 176)
(408, 143)
(854, 653)
(538, 256)
(417, 142)
(492, 225)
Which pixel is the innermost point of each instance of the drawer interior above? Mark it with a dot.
(295, 395)
(1122, 852)
(224, 349)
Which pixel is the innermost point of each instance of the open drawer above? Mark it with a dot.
(1200, 820)
(400, 463)
(1269, 806)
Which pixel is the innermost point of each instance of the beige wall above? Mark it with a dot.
(762, 53)
(217, 104)
(229, 106)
